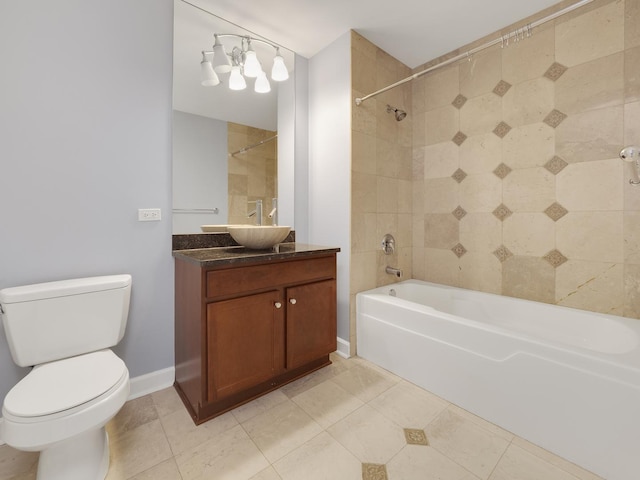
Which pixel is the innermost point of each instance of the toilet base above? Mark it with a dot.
(83, 457)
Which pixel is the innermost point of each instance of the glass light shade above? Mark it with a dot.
(262, 84)
(279, 71)
(252, 67)
(221, 62)
(208, 77)
(236, 80)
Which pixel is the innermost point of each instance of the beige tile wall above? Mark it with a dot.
(252, 174)
(381, 171)
(517, 184)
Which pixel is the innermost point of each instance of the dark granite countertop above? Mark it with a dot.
(209, 257)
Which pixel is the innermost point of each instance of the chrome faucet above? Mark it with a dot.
(273, 215)
(257, 212)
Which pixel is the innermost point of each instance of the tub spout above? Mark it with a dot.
(394, 271)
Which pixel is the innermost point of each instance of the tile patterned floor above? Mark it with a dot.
(350, 420)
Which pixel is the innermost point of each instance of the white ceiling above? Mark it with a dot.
(413, 31)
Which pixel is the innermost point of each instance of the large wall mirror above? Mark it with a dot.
(230, 147)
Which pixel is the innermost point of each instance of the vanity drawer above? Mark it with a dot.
(240, 280)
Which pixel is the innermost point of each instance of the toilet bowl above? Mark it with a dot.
(61, 406)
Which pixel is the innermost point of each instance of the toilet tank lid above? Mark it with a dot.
(61, 288)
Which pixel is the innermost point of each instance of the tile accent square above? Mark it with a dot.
(502, 129)
(374, 471)
(502, 253)
(555, 211)
(555, 118)
(459, 175)
(459, 138)
(555, 165)
(459, 101)
(459, 212)
(555, 71)
(501, 88)
(502, 170)
(415, 436)
(459, 250)
(555, 258)
(502, 211)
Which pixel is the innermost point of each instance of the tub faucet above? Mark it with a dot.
(257, 212)
(393, 271)
(273, 215)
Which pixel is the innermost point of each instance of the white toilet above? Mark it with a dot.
(64, 329)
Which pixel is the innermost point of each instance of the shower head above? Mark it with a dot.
(400, 114)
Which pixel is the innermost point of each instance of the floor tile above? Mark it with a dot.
(549, 457)
(259, 405)
(327, 403)
(481, 422)
(15, 462)
(409, 406)
(133, 414)
(167, 470)
(417, 462)
(518, 464)
(320, 458)
(369, 435)
(230, 455)
(167, 401)
(309, 381)
(365, 383)
(138, 450)
(267, 474)
(183, 434)
(281, 429)
(463, 441)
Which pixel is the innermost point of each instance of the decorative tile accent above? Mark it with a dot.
(502, 211)
(502, 129)
(459, 175)
(555, 165)
(502, 253)
(502, 170)
(459, 250)
(501, 88)
(459, 212)
(374, 471)
(555, 71)
(555, 211)
(415, 436)
(459, 101)
(555, 118)
(555, 258)
(458, 138)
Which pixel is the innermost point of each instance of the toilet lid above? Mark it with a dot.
(64, 384)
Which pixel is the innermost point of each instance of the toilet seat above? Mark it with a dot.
(64, 384)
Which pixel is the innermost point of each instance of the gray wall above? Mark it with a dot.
(200, 171)
(85, 140)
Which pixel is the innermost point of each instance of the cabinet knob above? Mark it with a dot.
(293, 301)
(278, 305)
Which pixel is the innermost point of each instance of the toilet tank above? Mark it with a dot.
(55, 320)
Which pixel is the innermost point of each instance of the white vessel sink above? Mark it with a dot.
(258, 237)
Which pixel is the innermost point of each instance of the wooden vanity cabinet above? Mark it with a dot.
(242, 331)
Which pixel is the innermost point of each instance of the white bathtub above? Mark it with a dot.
(564, 379)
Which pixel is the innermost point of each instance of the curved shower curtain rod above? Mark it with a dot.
(516, 35)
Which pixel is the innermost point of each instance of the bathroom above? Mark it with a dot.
(81, 205)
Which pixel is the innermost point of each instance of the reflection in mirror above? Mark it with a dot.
(223, 157)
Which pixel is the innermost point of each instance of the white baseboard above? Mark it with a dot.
(152, 382)
(343, 348)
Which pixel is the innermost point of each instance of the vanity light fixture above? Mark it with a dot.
(241, 63)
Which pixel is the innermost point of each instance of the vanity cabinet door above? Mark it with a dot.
(245, 339)
(311, 322)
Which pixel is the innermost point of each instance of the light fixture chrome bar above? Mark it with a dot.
(249, 147)
(467, 55)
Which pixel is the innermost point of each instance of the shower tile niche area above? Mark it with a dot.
(523, 191)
